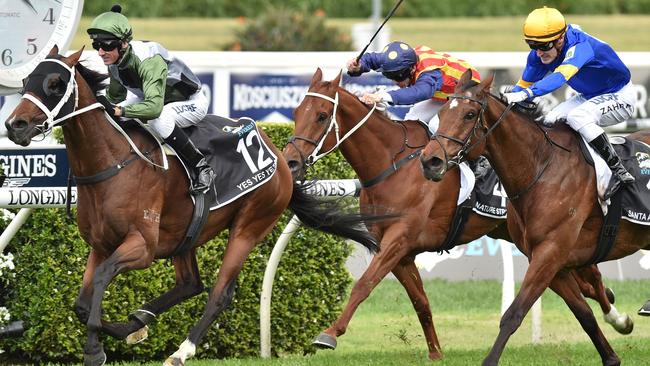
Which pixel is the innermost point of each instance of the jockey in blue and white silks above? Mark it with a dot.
(562, 53)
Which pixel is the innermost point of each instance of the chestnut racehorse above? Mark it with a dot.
(141, 212)
(382, 153)
(554, 218)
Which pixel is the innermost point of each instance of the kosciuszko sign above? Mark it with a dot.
(35, 177)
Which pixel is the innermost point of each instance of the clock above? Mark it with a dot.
(28, 30)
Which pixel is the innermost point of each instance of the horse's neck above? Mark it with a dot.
(371, 148)
(91, 142)
(517, 149)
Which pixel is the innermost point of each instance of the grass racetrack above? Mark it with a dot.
(385, 330)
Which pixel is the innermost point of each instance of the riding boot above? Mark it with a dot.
(619, 173)
(202, 173)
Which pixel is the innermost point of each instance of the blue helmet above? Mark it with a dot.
(397, 56)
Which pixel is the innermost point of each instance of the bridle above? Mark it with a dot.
(333, 125)
(467, 145)
(71, 88)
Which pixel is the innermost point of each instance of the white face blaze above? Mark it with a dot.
(453, 104)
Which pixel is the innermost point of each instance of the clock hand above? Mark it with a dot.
(29, 3)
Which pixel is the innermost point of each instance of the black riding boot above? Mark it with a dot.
(202, 173)
(619, 173)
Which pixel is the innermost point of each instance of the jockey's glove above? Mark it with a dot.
(109, 107)
(516, 97)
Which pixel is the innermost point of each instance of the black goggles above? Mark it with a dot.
(398, 75)
(106, 45)
(541, 46)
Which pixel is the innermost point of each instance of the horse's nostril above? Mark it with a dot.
(18, 124)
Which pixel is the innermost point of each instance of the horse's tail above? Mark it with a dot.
(330, 217)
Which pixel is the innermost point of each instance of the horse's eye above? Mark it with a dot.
(322, 116)
(54, 85)
(470, 115)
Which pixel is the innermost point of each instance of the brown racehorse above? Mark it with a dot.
(555, 218)
(142, 213)
(331, 117)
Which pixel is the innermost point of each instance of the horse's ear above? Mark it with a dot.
(74, 58)
(463, 81)
(337, 80)
(486, 83)
(54, 51)
(318, 76)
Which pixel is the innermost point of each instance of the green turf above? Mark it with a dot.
(385, 330)
(623, 32)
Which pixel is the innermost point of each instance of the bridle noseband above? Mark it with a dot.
(333, 125)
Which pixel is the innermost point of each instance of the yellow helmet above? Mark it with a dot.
(544, 25)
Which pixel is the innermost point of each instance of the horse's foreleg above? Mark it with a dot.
(409, 276)
(566, 286)
(220, 297)
(82, 304)
(131, 254)
(392, 251)
(591, 285)
(188, 284)
(541, 270)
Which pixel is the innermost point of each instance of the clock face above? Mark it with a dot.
(29, 29)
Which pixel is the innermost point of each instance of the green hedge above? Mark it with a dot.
(362, 8)
(310, 286)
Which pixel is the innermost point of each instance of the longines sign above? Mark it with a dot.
(36, 177)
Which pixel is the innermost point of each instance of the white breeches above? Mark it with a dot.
(184, 113)
(425, 111)
(589, 116)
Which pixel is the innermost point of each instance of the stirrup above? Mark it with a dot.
(626, 178)
(203, 181)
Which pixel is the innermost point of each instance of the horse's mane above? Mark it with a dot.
(383, 115)
(94, 78)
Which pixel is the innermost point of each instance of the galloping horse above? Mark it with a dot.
(142, 212)
(382, 153)
(555, 217)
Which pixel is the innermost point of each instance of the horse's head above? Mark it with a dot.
(461, 131)
(47, 93)
(316, 129)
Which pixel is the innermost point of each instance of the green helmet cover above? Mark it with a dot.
(111, 23)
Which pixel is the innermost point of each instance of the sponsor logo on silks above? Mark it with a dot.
(184, 108)
(644, 162)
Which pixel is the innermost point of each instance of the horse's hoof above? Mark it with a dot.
(627, 327)
(98, 359)
(645, 309)
(173, 361)
(138, 336)
(325, 340)
(610, 295)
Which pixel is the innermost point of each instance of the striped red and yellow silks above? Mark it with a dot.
(452, 69)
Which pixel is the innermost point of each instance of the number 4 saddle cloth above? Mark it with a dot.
(237, 153)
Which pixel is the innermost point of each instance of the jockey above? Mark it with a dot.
(425, 78)
(148, 83)
(562, 53)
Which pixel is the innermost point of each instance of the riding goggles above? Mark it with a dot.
(106, 45)
(541, 46)
(398, 75)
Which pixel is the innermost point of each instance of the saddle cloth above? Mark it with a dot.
(636, 159)
(236, 152)
(490, 198)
